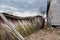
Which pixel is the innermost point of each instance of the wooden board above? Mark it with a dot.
(9, 23)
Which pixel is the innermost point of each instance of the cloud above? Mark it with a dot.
(31, 1)
(7, 8)
(25, 14)
(26, 5)
(30, 4)
(14, 11)
(22, 7)
(25, 1)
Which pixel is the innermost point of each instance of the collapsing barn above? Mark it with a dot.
(24, 25)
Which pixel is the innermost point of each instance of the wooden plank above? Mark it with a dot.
(9, 23)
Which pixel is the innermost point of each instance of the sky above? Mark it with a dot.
(22, 7)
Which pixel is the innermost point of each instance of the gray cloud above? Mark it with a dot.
(22, 5)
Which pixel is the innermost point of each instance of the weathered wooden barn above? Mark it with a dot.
(53, 11)
(24, 25)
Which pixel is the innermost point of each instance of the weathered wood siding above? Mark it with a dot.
(54, 12)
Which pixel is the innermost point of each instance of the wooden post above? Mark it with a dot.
(9, 23)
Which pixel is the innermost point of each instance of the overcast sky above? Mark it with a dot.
(20, 7)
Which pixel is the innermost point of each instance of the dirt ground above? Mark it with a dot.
(45, 34)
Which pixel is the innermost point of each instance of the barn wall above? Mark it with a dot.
(54, 13)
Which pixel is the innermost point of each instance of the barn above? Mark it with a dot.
(54, 13)
(14, 27)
